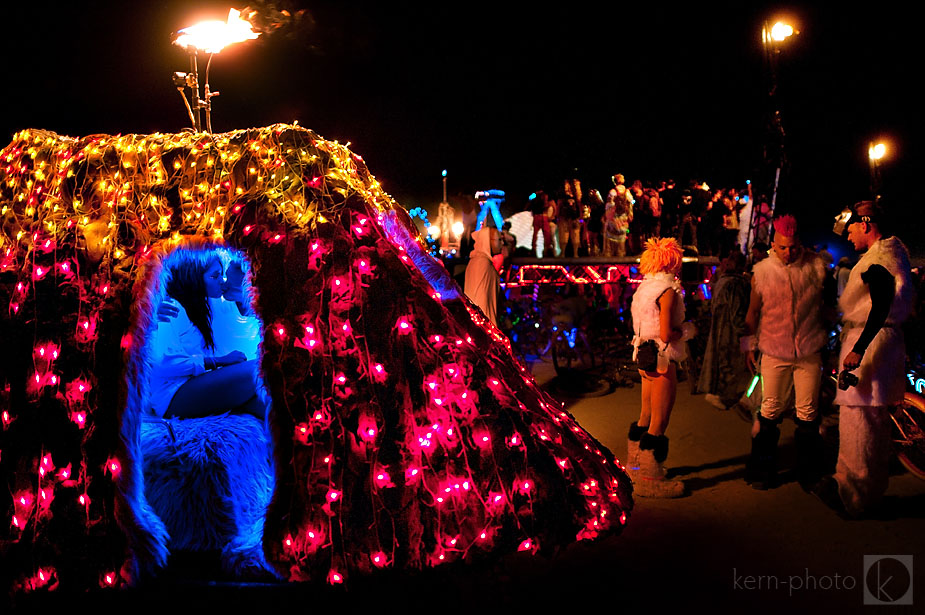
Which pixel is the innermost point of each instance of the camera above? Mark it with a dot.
(846, 379)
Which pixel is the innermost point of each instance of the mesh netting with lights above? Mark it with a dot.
(406, 433)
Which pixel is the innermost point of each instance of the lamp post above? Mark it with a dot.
(875, 153)
(444, 186)
(772, 36)
(210, 37)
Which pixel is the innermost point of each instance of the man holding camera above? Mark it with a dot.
(877, 299)
(785, 320)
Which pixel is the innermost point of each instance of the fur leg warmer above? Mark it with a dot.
(632, 447)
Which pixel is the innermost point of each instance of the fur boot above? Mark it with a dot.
(632, 449)
(651, 481)
(761, 468)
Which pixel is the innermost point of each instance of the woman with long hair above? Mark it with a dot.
(659, 347)
(204, 350)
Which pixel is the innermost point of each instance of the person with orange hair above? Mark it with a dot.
(658, 347)
(784, 322)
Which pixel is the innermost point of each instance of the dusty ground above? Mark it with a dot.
(704, 546)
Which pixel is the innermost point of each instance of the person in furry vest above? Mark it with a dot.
(658, 320)
(877, 299)
(785, 323)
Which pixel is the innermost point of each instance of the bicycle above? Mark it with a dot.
(908, 418)
(909, 427)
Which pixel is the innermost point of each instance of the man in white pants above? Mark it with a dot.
(877, 299)
(784, 317)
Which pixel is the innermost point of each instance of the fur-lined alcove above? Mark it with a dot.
(406, 434)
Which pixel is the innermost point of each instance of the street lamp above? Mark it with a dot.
(210, 37)
(779, 32)
(875, 153)
(771, 37)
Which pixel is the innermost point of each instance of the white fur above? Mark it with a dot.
(881, 380)
(646, 313)
(790, 323)
(210, 481)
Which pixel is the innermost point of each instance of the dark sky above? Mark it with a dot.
(508, 97)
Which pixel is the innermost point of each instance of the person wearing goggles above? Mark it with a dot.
(877, 299)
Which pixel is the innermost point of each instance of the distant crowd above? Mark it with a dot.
(586, 223)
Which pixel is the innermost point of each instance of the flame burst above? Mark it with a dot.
(213, 36)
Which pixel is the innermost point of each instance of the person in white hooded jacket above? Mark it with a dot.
(482, 279)
(878, 297)
(785, 320)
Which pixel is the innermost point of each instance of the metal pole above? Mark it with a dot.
(194, 86)
(774, 197)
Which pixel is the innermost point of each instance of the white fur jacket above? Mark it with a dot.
(790, 322)
(881, 378)
(645, 312)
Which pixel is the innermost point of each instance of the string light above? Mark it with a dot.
(404, 399)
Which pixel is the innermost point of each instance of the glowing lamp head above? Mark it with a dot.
(876, 152)
(781, 31)
(213, 36)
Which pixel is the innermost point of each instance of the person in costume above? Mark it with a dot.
(878, 297)
(482, 279)
(489, 202)
(618, 213)
(658, 316)
(785, 323)
(205, 345)
(568, 216)
(539, 206)
(724, 376)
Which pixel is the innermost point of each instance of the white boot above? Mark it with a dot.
(650, 481)
(632, 449)
(632, 458)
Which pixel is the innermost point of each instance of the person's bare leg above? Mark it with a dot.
(253, 406)
(215, 392)
(645, 411)
(664, 387)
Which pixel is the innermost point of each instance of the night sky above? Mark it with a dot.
(509, 98)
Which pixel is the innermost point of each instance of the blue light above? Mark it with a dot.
(444, 172)
(570, 337)
(532, 196)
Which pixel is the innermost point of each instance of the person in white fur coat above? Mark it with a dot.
(878, 298)
(658, 316)
(785, 319)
